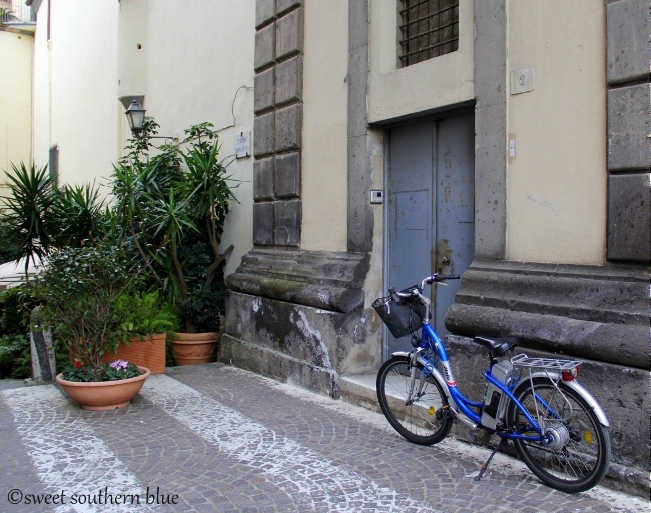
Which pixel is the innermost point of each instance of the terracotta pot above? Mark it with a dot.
(104, 395)
(194, 348)
(148, 353)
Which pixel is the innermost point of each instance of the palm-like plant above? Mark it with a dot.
(166, 210)
(78, 215)
(27, 212)
(208, 188)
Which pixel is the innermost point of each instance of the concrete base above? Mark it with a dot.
(303, 345)
(274, 364)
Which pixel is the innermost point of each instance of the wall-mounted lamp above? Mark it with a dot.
(136, 117)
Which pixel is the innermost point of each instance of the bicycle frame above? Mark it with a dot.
(431, 340)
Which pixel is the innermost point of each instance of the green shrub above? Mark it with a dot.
(148, 315)
(15, 357)
(16, 305)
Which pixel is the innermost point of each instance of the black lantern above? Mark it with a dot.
(135, 116)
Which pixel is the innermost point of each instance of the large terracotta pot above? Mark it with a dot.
(194, 348)
(104, 395)
(148, 353)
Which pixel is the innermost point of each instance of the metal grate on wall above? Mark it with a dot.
(427, 29)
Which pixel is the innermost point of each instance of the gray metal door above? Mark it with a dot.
(431, 208)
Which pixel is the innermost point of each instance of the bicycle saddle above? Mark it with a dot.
(497, 346)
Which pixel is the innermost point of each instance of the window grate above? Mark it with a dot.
(428, 28)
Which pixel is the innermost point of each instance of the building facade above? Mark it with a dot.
(509, 142)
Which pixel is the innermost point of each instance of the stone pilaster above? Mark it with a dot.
(629, 128)
(278, 109)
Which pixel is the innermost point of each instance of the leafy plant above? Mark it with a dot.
(15, 356)
(26, 212)
(8, 248)
(16, 305)
(174, 217)
(148, 315)
(83, 289)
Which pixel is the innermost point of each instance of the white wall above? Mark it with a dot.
(75, 88)
(197, 59)
(15, 101)
(556, 196)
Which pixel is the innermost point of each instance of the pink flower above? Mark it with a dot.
(119, 364)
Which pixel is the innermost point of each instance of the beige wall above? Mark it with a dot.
(324, 138)
(443, 81)
(195, 64)
(556, 197)
(75, 89)
(16, 49)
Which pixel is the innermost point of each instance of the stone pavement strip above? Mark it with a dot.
(213, 438)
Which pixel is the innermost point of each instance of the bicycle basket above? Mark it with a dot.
(402, 318)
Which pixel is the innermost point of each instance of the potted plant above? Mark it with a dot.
(173, 207)
(84, 291)
(153, 323)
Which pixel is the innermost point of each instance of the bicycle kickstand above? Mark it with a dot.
(502, 443)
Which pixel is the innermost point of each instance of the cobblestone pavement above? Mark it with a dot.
(213, 438)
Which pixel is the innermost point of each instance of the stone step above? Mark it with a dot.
(359, 389)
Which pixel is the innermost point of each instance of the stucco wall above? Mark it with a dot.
(202, 74)
(556, 195)
(15, 101)
(443, 81)
(324, 156)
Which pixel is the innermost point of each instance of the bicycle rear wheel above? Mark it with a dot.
(423, 421)
(579, 453)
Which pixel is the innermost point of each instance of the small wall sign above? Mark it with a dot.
(522, 80)
(243, 145)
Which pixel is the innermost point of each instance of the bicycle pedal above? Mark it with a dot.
(444, 413)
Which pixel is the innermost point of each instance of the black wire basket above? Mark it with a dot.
(401, 317)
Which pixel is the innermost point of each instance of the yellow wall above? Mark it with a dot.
(556, 197)
(324, 138)
(15, 101)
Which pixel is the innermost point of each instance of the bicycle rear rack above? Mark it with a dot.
(523, 361)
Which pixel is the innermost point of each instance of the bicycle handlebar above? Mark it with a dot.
(415, 290)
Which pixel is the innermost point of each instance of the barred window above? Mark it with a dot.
(427, 29)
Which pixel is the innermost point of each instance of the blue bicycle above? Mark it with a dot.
(556, 425)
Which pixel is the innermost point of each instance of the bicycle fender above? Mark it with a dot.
(578, 388)
(435, 372)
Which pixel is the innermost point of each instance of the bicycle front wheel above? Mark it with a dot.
(423, 419)
(578, 453)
